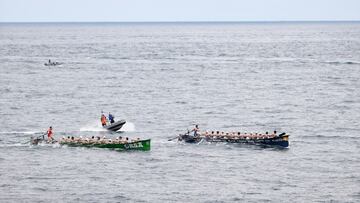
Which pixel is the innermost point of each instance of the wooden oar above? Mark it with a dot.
(173, 138)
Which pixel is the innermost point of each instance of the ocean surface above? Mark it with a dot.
(299, 78)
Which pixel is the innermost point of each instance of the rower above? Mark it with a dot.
(196, 130)
(50, 134)
(120, 140)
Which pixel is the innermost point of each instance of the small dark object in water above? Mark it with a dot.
(53, 64)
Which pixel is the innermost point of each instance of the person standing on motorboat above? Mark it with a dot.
(111, 118)
(196, 130)
(103, 120)
(50, 134)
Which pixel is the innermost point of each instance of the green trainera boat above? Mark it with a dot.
(142, 145)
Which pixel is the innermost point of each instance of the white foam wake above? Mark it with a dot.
(19, 132)
(128, 127)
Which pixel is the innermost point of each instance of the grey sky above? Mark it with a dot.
(177, 10)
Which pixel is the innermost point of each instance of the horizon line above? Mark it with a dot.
(222, 21)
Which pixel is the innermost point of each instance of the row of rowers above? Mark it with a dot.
(97, 140)
(238, 135)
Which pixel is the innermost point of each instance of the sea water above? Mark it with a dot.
(298, 78)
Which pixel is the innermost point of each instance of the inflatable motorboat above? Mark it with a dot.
(115, 126)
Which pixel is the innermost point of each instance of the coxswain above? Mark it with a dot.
(50, 134)
(196, 130)
(111, 118)
(103, 120)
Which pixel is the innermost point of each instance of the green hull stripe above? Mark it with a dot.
(143, 145)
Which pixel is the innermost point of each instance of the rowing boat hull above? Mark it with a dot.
(142, 145)
(280, 141)
(53, 64)
(115, 126)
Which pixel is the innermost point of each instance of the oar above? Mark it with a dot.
(173, 138)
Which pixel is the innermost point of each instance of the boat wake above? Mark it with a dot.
(55, 145)
(25, 144)
(128, 127)
(19, 132)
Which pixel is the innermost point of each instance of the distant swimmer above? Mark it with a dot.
(103, 120)
(111, 118)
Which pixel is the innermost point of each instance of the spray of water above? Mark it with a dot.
(128, 127)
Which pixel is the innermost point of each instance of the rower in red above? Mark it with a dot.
(50, 134)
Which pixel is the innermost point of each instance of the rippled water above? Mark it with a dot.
(301, 78)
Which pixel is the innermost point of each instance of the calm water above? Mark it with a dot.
(301, 78)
